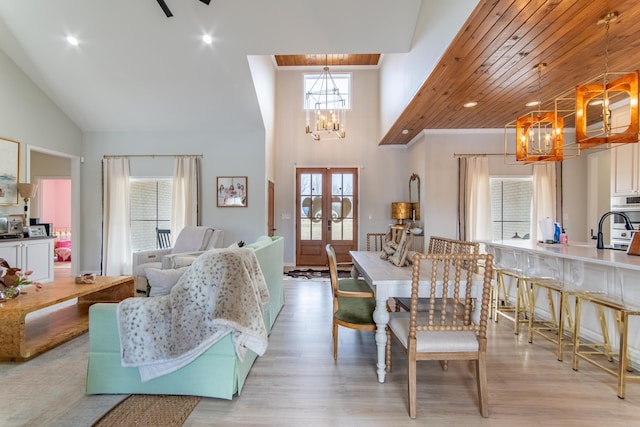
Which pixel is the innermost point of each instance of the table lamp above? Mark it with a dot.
(27, 191)
(400, 211)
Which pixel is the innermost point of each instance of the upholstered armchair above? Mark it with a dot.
(191, 242)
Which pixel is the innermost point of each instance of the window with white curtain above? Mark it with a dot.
(150, 210)
(511, 200)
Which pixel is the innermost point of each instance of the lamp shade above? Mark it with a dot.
(400, 210)
(27, 190)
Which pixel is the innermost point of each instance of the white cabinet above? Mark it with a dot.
(35, 255)
(624, 170)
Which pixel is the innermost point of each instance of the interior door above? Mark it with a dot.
(326, 212)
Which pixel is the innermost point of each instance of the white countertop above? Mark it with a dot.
(577, 251)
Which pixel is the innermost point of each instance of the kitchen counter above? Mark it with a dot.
(574, 251)
(582, 268)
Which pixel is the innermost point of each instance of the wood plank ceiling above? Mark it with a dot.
(493, 59)
(492, 62)
(329, 60)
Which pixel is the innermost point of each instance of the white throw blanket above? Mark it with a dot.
(222, 292)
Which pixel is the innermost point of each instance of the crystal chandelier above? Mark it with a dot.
(328, 118)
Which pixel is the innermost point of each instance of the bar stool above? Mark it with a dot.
(508, 263)
(607, 293)
(545, 273)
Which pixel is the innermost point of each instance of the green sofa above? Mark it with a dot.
(215, 373)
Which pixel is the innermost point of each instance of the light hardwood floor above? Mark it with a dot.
(297, 383)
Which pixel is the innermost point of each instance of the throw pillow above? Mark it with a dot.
(161, 281)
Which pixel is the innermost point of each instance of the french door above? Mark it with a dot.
(326, 212)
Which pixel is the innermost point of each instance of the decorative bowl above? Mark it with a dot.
(416, 231)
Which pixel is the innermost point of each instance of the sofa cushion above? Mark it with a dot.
(161, 281)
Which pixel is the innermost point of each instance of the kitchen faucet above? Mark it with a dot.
(627, 225)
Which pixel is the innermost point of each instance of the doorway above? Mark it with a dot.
(43, 165)
(326, 212)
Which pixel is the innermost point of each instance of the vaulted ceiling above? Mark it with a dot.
(137, 70)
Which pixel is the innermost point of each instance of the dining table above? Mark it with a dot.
(389, 281)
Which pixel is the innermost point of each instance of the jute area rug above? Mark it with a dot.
(149, 410)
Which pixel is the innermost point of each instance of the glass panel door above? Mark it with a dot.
(326, 207)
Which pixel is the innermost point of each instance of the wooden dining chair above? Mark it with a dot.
(445, 331)
(375, 241)
(442, 245)
(353, 302)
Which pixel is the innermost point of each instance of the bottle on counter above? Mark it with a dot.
(564, 239)
(556, 233)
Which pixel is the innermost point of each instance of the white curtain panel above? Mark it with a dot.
(478, 224)
(116, 230)
(186, 194)
(544, 196)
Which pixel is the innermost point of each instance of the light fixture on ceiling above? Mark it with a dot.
(595, 100)
(539, 134)
(73, 41)
(329, 108)
(470, 104)
(167, 11)
(207, 39)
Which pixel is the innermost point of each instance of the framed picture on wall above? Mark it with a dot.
(232, 191)
(9, 171)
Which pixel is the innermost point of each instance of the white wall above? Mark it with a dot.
(224, 154)
(402, 74)
(575, 211)
(383, 173)
(440, 182)
(28, 116)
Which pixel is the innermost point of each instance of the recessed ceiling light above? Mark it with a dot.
(207, 39)
(532, 104)
(404, 131)
(470, 104)
(72, 40)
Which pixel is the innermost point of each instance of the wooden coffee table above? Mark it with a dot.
(35, 322)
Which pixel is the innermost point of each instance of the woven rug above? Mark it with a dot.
(149, 410)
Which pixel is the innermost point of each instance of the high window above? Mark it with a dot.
(511, 204)
(150, 211)
(342, 82)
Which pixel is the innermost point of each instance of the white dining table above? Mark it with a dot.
(389, 281)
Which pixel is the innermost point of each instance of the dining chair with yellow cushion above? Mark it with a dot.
(445, 331)
(353, 302)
